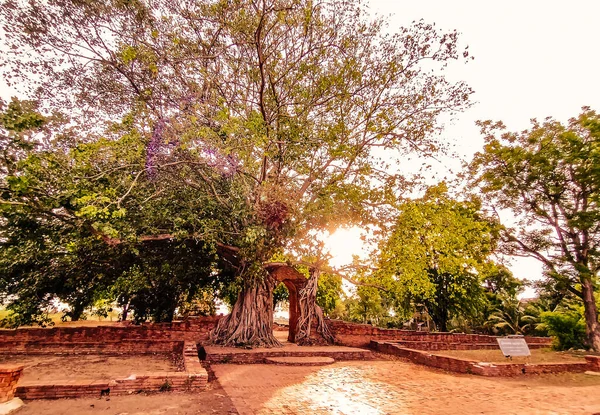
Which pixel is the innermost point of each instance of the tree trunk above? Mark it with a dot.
(250, 323)
(76, 311)
(439, 315)
(309, 312)
(592, 327)
(125, 312)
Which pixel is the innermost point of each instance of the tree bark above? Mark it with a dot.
(592, 327)
(76, 311)
(250, 323)
(309, 312)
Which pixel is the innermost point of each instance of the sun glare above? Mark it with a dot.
(343, 244)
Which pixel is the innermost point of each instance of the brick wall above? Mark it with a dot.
(124, 347)
(483, 369)
(9, 376)
(145, 382)
(196, 329)
(360, 335)
(593, 363)
(118, 339)
(193, 378)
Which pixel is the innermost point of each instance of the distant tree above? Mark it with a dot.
(549, 177)
(438, 254)
(329, 292)
(514, 317)
(51, 216)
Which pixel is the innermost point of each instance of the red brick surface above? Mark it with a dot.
(196, 329)
(119, 339)
(144, 382)
(123, 347)
(593, 363)
(193, 378)
(9, 376)
(217, 354)
(477, 368)
(360, 335)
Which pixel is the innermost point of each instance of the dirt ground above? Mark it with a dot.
(213, 401)
(396, 387)
(51, 368)
(496, 356)
(384, 387)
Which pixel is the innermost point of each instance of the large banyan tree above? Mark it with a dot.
(248, 125)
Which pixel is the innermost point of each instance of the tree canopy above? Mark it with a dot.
(549, 177)
(246, 126)
(438, 253)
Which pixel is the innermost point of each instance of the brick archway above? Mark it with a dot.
(294, 282)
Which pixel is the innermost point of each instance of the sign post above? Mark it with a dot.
(513, 346)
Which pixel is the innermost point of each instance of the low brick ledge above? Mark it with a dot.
(123, 347)
(9, 376)
(457, 365)
(446, 345)
(194, 378)
(259, 358)
(146, 382)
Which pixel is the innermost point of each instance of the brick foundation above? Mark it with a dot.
(9, 376)
(123, 347)
(457, 365)
(258, 358)
(162, 338)
(361, 335)
(193, 378)
(194, 329)
(144, 382)
(593, 363)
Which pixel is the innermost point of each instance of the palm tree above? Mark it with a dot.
(514, 317)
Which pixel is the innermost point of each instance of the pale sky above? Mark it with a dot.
(532, 59)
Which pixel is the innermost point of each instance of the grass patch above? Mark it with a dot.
(496, 356)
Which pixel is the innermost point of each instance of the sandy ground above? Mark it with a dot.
(496, 356)
(210, 402)
(50, 368)
(396, 387)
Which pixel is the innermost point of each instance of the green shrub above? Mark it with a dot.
(567, 328)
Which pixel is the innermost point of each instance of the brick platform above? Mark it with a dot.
(457, 365)
(300, 361)
(123, 347)
(217, 354)
(450, 345)
(593, 363)
(115, 339)
(146, 338)
(143, 382)
(360, 335)
(193, 378)
(9, 376)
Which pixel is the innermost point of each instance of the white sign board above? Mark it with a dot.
(513, 346)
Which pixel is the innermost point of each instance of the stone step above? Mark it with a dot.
(190, 349)
(216, 354)
(300, 361)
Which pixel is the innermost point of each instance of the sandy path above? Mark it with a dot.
(395, 387)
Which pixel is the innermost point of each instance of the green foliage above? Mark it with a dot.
(280, 294)
(549, 176)
(438, 254)
(205, 138)
(514, 317)
(329, 292)
(567, 327)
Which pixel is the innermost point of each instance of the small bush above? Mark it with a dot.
(567, 328)
(165, 387)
